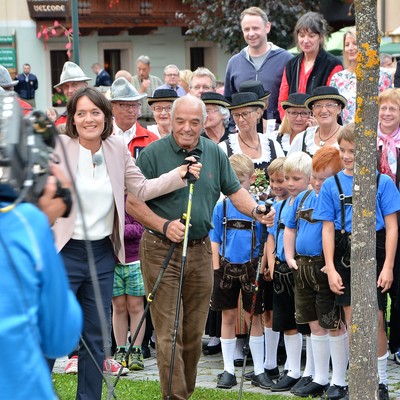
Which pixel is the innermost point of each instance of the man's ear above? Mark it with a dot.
(253, 178)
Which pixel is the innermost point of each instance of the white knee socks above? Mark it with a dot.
(257, 351)
(321, 355)
(293, 345)
(271, 348)
(228, 350)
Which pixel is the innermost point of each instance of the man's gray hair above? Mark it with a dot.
(143, 59)
(192, 99)
(171, 66)
(201, 72)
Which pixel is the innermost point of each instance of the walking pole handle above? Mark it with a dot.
(190, 177)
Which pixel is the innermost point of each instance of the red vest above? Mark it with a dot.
(142, 138)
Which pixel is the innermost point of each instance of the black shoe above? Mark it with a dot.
(284, 383)
(273, 373)
(383, 392)
(226, 381)
(248, 376)
(304, 381)
(210, 350)
(335, 392)
(146, 351)
(262, 380)
(313, 389)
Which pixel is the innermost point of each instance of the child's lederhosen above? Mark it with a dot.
(342, 255)
(314, 301)
(232, 279)
(283, 284)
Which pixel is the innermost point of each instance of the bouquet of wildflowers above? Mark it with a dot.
(260, 188)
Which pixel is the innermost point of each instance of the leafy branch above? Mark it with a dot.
(56, 29)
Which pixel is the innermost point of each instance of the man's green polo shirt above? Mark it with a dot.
(216, 176)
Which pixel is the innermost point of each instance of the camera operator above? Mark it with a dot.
(40, 316)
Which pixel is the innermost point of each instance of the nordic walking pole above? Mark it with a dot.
(150, 299)
(192, 181)
(246, 348)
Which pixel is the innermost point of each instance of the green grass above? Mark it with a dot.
(65, 386)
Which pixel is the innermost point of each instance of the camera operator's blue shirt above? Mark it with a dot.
(39, 315)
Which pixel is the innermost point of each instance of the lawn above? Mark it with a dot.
(65, 386)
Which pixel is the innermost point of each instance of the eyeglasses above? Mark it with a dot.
(172, 75)
(392, 110)
(244, 114)
(212, 111)
(328, 106)
(295, 114)
(160, 109)
(198, 87)
(127, 106)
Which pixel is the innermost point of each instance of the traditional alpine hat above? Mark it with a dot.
(245, 99)
(72, 73)
(215, 99)
(325, 93)
(295, 100)
(255, 87)
(5, 78)
(162, 95)
(122, 90)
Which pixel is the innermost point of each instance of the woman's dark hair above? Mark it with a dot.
(312, 22)
(96, 98)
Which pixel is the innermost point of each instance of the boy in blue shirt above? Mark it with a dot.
(297, 171)
(336, 245)
(314, 301)
(235, 242)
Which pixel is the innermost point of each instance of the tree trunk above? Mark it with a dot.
(363, 377)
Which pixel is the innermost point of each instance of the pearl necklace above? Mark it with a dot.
(322, 142)
(251, 147)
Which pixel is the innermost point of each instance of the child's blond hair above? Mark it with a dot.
(276, 166)
(242, 165)
(298, 161)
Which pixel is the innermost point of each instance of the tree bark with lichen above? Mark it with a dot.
(363, 377)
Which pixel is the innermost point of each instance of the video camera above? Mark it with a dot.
(26, 144)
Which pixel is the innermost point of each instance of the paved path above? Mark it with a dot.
(211, 366)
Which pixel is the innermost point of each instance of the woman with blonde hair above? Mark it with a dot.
(184, 78)
(345, 81)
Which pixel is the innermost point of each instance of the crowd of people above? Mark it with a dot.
(131, 154)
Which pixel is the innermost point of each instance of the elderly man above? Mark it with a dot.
(201, 81)
(161, 218)
(145, 84)
(260, 60)
(72, 78)
(171, 79)
(126, 105)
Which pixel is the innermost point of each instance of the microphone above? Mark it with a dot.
(97, 159)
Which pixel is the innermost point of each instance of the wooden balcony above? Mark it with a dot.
(138, 17)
